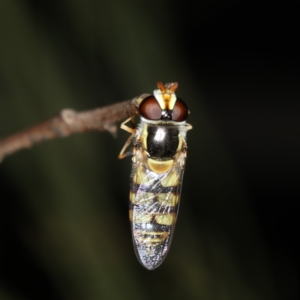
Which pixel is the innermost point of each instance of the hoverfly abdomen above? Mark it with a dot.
(159, 155)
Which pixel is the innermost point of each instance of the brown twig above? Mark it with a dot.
(68, 122)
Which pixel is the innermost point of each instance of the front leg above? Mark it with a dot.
(130, 130)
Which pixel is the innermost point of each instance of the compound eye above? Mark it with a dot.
(180, 111)
(150, 109)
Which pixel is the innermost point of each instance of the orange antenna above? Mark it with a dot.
(174, 87)
(161, 86)
(165, 95)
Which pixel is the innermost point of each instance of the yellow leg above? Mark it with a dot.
(130, 130)
(188, 127)
(126, 128)
(123, 153)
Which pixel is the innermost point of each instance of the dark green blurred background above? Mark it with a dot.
(64, 204)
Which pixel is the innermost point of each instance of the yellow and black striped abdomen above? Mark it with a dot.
(154, 202)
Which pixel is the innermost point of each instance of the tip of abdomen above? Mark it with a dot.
(151, 244)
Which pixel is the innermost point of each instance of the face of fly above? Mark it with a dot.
(164, 105)
(159, 154)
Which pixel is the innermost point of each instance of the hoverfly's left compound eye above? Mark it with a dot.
(180, 111)
(150, 109)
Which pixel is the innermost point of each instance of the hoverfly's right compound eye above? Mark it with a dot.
(180, 111)
(150, 109)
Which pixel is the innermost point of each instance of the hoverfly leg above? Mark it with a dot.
(188, 127)
(130, 130)
(127, 128)
(123, 153)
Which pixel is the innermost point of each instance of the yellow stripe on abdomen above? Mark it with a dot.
(150, 238)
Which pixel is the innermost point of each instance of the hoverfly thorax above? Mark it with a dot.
(159, 154)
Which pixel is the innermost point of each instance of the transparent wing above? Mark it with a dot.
(154, 203)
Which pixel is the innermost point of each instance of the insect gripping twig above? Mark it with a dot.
(69, 122)
(159, 150)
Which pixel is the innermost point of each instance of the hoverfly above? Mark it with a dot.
(159, 154)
